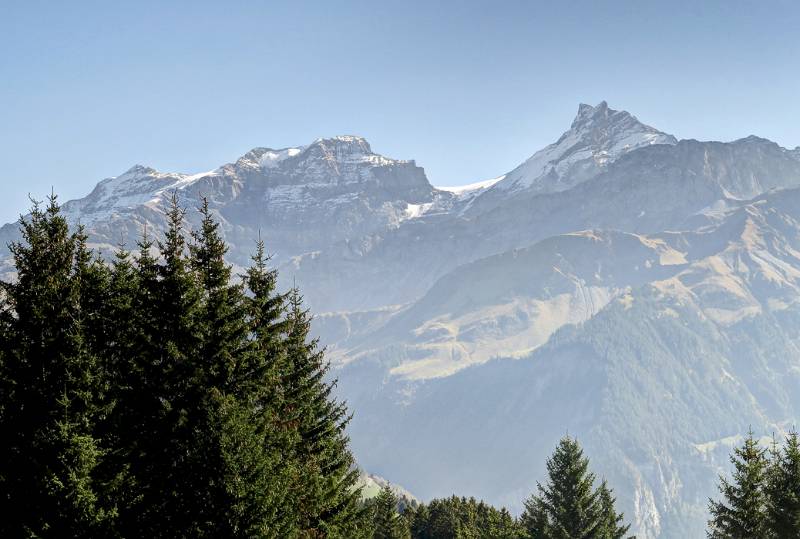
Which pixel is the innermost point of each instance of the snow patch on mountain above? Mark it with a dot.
(271, 158)
(471, 188)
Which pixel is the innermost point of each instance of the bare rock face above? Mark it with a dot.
(640, 292)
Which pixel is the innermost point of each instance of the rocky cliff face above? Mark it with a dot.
(640, 292)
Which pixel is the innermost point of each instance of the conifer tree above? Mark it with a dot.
(567, 507)
(612, 524)
(140, 377)
(121, 331)
(783, 488)
(241, 493)
(327, 494)
(419, 522)
(503, 526)
(742, 512)
(166, 413)
(265, 369)
(51, 390)
(386, 522)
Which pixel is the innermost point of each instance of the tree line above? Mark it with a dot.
(160, 395)
(570, 505)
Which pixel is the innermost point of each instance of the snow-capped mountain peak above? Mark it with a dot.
(598, 136)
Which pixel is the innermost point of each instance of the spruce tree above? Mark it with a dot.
(567, 507)
(166, 413)
(783, 489)
(241, 492)
(386, 522)
(742, 512)
(154, 397)
(52, 388)
(327, 493)
(265, 368)
(419, 522)
(612, 524)
(140, 380)
(121, 330)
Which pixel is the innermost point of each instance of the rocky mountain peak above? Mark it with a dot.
(605, 125)
(586, 113)
(597, 137)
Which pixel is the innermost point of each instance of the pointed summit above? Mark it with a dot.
(597, 137)
(588, 112)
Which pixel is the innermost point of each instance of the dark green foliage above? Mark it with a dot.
(568, 506)
(612, 524)
(461, 518)
(742, 513)
(783, 489)
(386, 521)
(52, 387)
(159, 397)
(327, 497)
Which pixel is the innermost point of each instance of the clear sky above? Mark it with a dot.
(468, 89)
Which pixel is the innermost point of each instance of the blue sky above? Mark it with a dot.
(468, 89)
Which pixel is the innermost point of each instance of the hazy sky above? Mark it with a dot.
(468, 89)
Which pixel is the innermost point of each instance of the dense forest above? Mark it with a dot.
(160, 395)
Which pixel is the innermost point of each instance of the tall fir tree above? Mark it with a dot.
(121, 330)
(327, 493)
(139, 376)
(242, 495)
(166, 414)
(612, 524)
(568, 506)
(783, 488)
(386, 521)
(52, 388)
(742, 512)
(266, 366)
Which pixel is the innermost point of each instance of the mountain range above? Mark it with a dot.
(635, 290)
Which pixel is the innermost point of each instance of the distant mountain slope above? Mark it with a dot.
(682, 341)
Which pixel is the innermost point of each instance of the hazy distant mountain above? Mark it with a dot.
(666, 348)
(640, 292)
